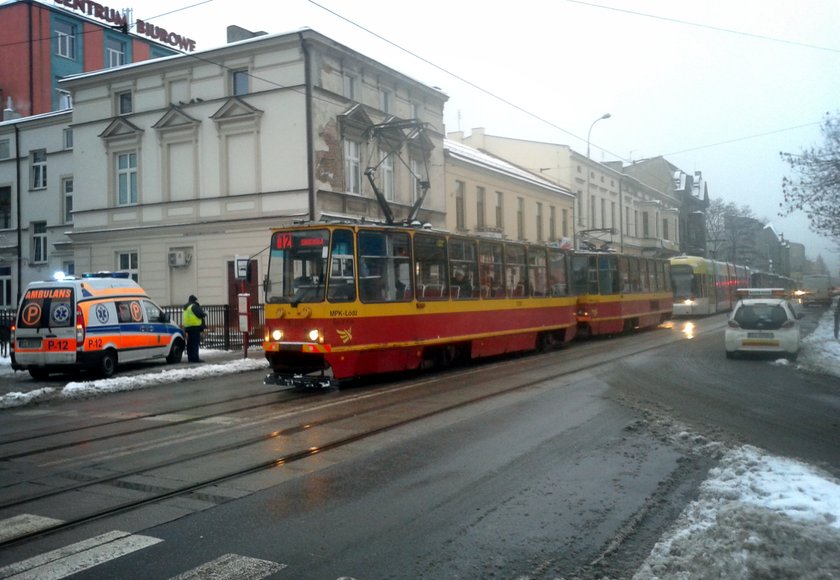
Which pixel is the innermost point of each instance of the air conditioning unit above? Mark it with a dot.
(177, 259)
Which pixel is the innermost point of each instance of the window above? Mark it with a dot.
(592, 202)
(114, 53)
(341, 286)
(613, 221)
(580, 207)
(352, 167)
(38, 175)
(69, 268)
(65, 100)
(5, 149)
(460, 209)
(416, 176)
(67, 138)
(603, 213)
(463, 261)
(430, 267)
(645, 225)
(552, 223)
(564, 227)
(67, 191)
(500, 204)
(6, 286)
(384, 267)
(128, 262)
(39, 242)
(126, 178)
(520, 218)
(123, 102)
(239, 82)
(65, 40)
(636, 222)
(665, 228)
(491, 277)
(539, 222)
(387, 169)
(350, 87)
(5, 206)
(385, 99)
(479, 206)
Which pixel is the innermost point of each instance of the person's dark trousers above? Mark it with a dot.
(193, 340)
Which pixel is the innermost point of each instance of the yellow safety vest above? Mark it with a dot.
(190, 319)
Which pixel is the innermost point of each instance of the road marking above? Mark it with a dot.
(232, 566)
(77, 557)
(24, 524)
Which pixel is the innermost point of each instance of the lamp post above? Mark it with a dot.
(588, 135)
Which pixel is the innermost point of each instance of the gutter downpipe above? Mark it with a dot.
(310, 153)
(19, 215)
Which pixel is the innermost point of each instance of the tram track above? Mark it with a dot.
(368, 413)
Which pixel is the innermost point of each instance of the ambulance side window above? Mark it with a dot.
(125, 311)
(153, 313)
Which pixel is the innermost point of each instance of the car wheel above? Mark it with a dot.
(107, 364)
(175, 353)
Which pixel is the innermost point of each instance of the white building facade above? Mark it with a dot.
(183, 163)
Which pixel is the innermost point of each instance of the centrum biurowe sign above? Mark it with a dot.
(117, 18)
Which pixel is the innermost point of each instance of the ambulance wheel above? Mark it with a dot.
(107, 364)
(176, 353)
(38, 374)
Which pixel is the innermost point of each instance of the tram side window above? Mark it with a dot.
(607, 275)
(652, 284)
(633, 274)
(462, 261)
(516, 280)
(430, 267)
(490, 270)
(537, 272)
(580, 275)
(341, 286)
(624, 273)
(384, 267)
(558, 268)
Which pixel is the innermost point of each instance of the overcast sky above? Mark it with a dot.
(714, 86)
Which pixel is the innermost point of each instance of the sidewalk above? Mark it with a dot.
(17, 388)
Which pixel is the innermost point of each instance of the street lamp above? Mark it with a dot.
(588, 135)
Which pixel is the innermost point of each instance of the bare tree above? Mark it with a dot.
(725, 231)
(815, 185)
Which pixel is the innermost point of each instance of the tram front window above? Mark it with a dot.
(297, 266)
(682, 279)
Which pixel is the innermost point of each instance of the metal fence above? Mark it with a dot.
(222, 325)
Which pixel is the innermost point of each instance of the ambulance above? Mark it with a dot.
(93, 322)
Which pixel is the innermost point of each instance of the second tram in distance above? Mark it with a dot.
(350, 300)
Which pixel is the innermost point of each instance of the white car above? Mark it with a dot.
(763, 323)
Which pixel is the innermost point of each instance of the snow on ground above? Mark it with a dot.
(757, 516)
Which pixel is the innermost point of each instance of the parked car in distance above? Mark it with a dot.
(763, 321)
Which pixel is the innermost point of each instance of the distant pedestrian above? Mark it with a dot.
(5, 337)
(837, 318)
(193, 325)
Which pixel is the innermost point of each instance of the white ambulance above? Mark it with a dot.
(91, 322)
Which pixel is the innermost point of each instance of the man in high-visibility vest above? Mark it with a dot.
(193, 325)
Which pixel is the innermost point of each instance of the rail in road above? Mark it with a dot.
(52, 468)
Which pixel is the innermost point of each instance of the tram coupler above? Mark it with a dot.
(309, 382)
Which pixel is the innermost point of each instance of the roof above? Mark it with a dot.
(474, 156)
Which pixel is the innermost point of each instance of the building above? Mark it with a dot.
(36, 200)
(489, 196)
(43, 43)
(613, 209)
(183, 163)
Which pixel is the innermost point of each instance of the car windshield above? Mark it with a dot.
(761, 316)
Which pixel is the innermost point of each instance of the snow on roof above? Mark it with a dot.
(476, 157)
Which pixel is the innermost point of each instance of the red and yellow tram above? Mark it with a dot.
(618, 293)
(350, 300)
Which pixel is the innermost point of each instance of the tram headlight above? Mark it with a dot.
(277, 334)
(315, 335)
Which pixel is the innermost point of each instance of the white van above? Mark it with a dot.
(91, 322)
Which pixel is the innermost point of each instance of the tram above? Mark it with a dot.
(348, 300)
(703, 286)
(772, 280)
(619, 293)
